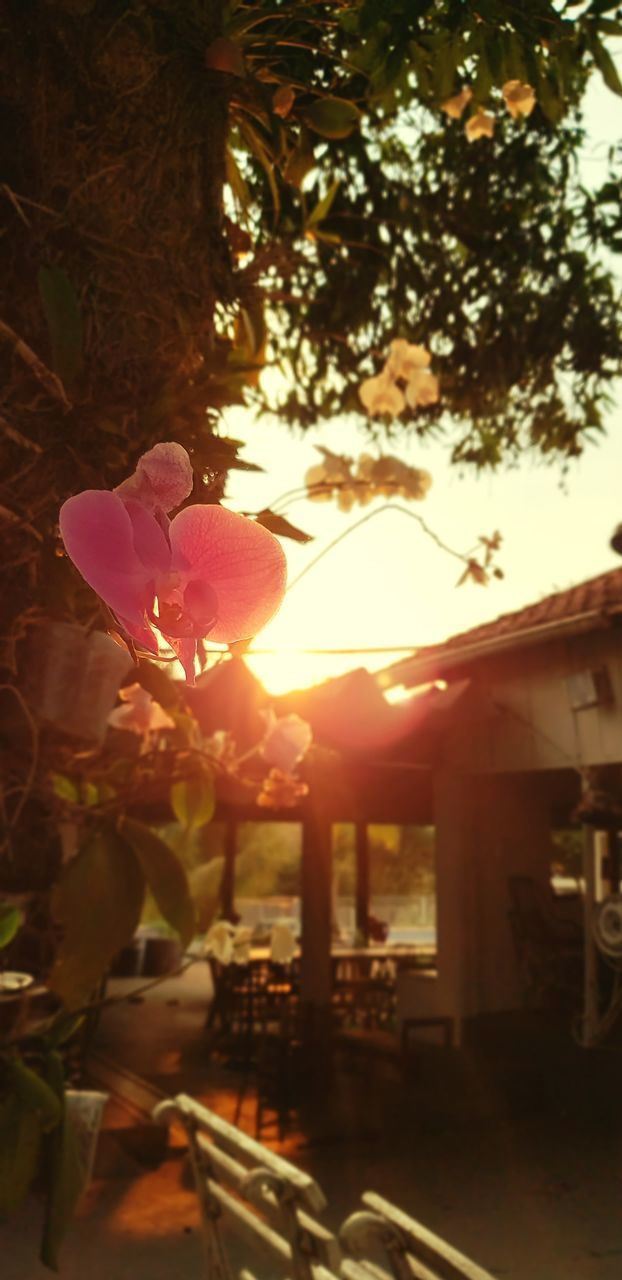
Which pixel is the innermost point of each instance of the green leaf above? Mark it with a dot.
(445, 64)
(64, 324)
(260, 149)
(165, 876)
(35, 1094)
(282, 527)
(20, 1137)
(323, 206)
(332, 117)
(605, 64)
(515, 59)
(205, 882)
(89, 793)
(98, 901)
(193, 802)
(548, 96)
(610, 27)
(65, 1171)
(64, 788)
(484, 77)
(63, 1027)
(10, 921)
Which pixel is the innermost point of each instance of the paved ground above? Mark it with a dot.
(511, 1148)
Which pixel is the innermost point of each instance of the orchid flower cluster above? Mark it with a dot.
(211, 573)
(361, 481)
(230, 944)
(285, 742)
(405, 380)
(519, 98)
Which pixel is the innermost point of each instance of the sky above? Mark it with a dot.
(387, 584)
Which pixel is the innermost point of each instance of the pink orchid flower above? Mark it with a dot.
(211, 572)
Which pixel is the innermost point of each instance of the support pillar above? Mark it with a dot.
(362, 883)
(315, 962)
(227, 883)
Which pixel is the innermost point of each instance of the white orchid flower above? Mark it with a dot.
(285, 741)
(228, 943)
(455, 106)
(241, 944)
(406, 358)
(317, 476)
(139, 713)
(381, 395)
(416, 483)
(480, 125)
(422, 389)
(520, 99)
(219, 941)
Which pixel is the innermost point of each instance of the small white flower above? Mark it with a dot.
(283, 945)
(228, 943)
(241, 945)
(285, 741)
(416, 484)
(219, 941)
(520, 98)
(481, 125)
(454, 107)
(318, 485)
(422, 389)
(346, 499)
(381, 395)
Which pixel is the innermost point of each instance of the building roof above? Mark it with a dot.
(583, 607)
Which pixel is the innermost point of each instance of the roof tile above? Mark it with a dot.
(602, 594)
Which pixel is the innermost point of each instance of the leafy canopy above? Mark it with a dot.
(368, 214)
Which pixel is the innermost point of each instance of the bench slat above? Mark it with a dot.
(246, 1148)
(445, 1262)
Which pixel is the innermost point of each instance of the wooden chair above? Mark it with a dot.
(411, 1251)
(267, 1201)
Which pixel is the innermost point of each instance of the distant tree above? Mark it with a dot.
(402, 859)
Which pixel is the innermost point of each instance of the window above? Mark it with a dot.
(401, 899)
(402, 882)
(344, 882)
(566, 860)
(267, 876)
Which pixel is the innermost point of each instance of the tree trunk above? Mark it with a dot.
(112, 165)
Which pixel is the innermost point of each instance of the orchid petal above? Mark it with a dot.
(150, 540)
(186, 651)
(163, 477)
(140, 633)
(241, 561)
(98, 535)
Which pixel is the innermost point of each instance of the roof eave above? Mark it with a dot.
(445, 659)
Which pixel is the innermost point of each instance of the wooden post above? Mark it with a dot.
(589, 1021)
(315, 962)
(362, 883)
(227, 884)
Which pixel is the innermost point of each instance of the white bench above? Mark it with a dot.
(411, 1251)
(266, 1200)
(273, 1207)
